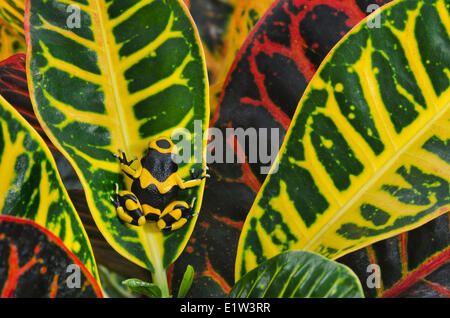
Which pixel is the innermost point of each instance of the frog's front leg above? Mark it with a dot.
(196, 181)
(125, 165)
(128, 207)
(175, 215)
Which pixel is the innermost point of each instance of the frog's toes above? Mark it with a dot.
(206, 168)
(122, 157)
(124, 160)
(191, 207)
(115, 200)
(204, 176)
(193, 202)
(118, 156)
(200, 175)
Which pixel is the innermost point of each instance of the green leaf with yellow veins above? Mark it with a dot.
(10, 42)
(12, 12)
(31, 187)
(367, 154)
(122, 74)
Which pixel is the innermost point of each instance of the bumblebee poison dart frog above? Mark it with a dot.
(154, 188)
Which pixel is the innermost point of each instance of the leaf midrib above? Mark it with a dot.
(151, 248)
(112, 74)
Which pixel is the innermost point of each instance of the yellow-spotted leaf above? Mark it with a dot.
(12, 11)
(367, 155)
(123, 73)
(31, 187)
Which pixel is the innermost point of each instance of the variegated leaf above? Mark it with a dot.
(287, 45)
(12, 11)
(10, 42)
(244, 17)
(34, 263)
(366, 156)
(412, 264)
(14, 88)
(31, 187)
(298, 274)
(132, 71)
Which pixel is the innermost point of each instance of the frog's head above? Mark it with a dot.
(162, 144)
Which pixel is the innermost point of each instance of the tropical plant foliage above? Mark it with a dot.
(224, 25)
(365, 157)
(31, 251)
(14, 88)
(287, 45)
(412, 264)
(138, 73)
(298, 274)
(11, 43)
(12, 12)
(11, 28)
(31, 186)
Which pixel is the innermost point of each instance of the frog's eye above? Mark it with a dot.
(163, 144)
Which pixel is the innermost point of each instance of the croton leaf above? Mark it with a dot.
(212, 18)
(298, 274)
(412, 264)
(11, 28)
(224, 25)
(366, 156)
(244, 17)
(36, 263)
(31, 186)
(14, 88)
(10, 42)
(104, 254)
(128, 72)
(13, 84)
(292, 34)
(12, 11)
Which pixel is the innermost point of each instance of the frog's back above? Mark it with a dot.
(151, 195)
(161, 167)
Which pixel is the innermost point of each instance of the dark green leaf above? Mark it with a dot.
(139, 286)
(298, 274)
(186, 282)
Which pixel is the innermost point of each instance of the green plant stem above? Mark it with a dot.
(160, 278)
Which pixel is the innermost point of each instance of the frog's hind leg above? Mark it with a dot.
(151, 214)
(128, 207)
(175, 215)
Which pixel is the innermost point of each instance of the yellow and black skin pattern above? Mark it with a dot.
(154, 188)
